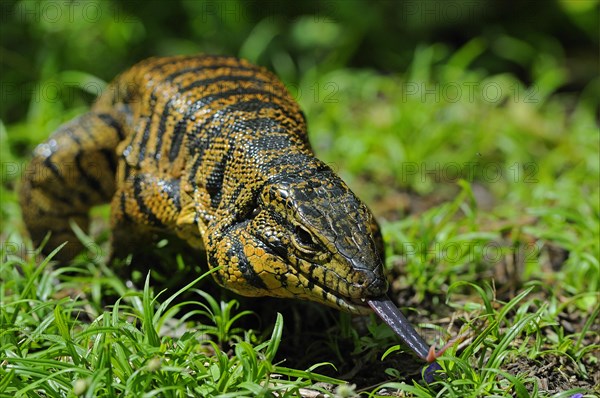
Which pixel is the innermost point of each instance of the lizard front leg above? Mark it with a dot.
(146, 205)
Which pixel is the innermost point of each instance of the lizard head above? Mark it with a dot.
(307, 237)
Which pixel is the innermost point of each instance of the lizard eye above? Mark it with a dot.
(303, 240)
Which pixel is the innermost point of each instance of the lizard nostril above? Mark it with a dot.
(366, 278)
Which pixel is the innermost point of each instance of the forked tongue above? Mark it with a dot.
(391, 315)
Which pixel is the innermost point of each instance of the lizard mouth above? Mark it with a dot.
(321, 293)
(382, 306)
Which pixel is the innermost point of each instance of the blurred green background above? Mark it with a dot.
(73, 43)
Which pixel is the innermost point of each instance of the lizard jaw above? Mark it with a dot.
(323, 295)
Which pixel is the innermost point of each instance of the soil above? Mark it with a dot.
(553, 374)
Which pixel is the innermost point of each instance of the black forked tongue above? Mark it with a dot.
(391, 315)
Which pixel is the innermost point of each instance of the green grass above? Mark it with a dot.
(74, 346)
(489, 207)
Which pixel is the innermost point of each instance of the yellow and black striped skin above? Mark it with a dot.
(215, 150)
